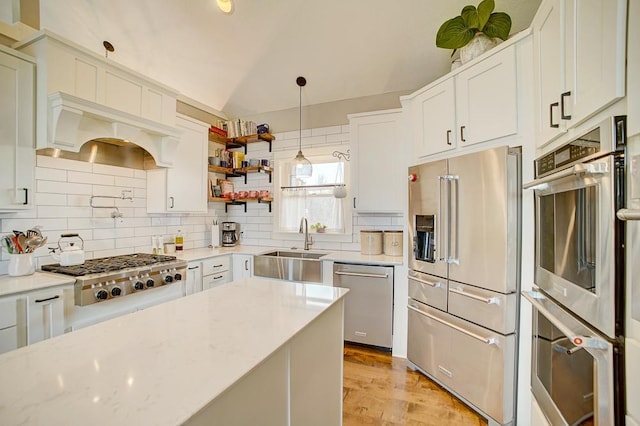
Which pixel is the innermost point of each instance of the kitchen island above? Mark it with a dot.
(250, 352)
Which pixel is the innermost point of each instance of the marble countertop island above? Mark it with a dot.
(162, 365)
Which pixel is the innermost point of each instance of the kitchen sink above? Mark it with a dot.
(295, 254)
(299, 266)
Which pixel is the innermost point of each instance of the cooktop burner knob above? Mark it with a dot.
(150, 282)
(177, 276)
(116, 291)
(139, 285)
(168, 279)
(102, 294)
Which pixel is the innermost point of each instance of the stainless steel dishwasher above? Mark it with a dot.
(368, 307)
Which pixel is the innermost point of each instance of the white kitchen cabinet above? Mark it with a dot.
(216, 271)
(193, 284)
(12, 330)
(378, 166)
(45, 314)
(432, 118)
(487, 100)
(242, 266)
(579, 57)
(17, 127)
(182, 188)
(478, 103)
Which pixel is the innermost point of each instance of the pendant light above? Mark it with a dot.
(302, 166)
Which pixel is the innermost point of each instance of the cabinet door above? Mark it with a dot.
(194, 278)
(549, 59)
(45, 314)
(187, 179)
(242, 266)
(10, 338)
(486, 99)
(433, 119)
(596, 55)
(379, 167)
(17, 154)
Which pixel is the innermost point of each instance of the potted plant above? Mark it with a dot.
(475, 31)
(319, 227)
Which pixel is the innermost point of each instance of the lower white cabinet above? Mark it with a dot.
(45, 314)
(378, 167)
(216, 271)
(17, 127)
(193, 283)
(183, 187)
(242, 266)
(12, 336)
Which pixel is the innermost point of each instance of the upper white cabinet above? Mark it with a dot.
(486, 99)
(579, 57)
(477, 103)
(378, 161)
(432, 115)
(82, 96)
(17, 124)
(183, 187)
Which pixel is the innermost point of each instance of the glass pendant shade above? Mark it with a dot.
(302, 166)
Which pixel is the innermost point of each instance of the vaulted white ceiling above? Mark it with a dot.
(247, 62)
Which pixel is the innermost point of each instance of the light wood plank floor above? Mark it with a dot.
(381, 390)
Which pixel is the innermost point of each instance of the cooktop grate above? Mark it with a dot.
(109, 264)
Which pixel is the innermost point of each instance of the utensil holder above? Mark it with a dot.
(21, 264)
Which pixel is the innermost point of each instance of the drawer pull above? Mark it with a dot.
(47, 299)
(486, 340)
(487, 300)
(191, 268)
(429, 283)
(445, 371)
(218, 277)
(218, 266)
(360, 274)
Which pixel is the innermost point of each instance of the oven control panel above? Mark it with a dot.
(578, 149)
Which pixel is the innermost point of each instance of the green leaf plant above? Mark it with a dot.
(457, 32)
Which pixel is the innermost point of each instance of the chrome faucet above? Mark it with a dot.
(304, 228)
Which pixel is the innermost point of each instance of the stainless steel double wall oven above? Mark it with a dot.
(577, 365)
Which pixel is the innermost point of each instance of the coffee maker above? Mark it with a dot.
(230, 234)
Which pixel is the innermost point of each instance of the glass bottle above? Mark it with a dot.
(179, 241)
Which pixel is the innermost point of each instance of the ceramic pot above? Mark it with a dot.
(477, 46)
(21, 264)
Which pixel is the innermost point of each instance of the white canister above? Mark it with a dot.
(21, 264)
(371, 242)
(393, 243)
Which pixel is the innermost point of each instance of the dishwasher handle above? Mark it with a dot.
(361, 274)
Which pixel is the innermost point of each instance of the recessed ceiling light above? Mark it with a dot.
(225, 5)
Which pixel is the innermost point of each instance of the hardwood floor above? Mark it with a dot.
(381, 390)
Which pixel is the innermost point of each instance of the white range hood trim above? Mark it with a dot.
(74, 121)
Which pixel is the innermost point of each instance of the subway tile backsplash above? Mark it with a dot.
(64, 188)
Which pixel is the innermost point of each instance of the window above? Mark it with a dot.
(313, 197)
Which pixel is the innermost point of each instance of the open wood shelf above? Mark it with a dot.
(241, 141)
(229, 172)
(241, 201)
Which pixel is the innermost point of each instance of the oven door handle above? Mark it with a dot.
(534, 298)
(578, 169)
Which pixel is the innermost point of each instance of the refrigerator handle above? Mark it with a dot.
(455, 218)
(441, 255)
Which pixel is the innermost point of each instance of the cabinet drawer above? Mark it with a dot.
(428, 289)
(8, 310)
(216, 279)
(216, 264)
(495, 311)
(473, 362)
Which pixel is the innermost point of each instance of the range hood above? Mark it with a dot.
(73, 121)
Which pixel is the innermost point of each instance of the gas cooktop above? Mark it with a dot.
(109, 264)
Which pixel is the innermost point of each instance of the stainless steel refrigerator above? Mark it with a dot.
(464, 276)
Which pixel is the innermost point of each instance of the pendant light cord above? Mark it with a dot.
(300, 81)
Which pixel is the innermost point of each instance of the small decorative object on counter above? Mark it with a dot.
(179, 241)
(393, 243)
(371, 242)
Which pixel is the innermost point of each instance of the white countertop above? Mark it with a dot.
(38, 280)
(157, 366)
(337, 256)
